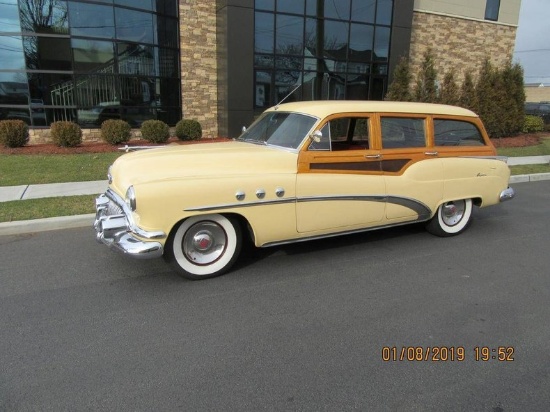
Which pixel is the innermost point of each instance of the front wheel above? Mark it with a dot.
(203, 247)
(451, 218)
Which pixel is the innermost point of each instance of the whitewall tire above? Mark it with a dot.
(204, 246)
(451, 218)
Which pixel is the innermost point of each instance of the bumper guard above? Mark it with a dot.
(114, 228)
(507, 194)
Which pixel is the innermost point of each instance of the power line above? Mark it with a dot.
(531, 51)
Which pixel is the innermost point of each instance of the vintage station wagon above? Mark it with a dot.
(302, 171)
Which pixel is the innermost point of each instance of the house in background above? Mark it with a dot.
(537, 92)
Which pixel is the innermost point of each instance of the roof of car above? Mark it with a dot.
(323, 108)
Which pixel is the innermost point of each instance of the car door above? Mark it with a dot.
(339, 185)
(413, 172)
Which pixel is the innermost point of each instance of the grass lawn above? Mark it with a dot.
(34, 169)
(529, 169)
(541, 149)
(47, 207)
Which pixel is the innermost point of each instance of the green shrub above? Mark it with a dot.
(155, 131)
(13, 133)
(188, 129)
(533, 124)
(115, 131)
(66, 134)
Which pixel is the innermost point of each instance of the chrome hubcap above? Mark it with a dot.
(453, 212)
(204, 243)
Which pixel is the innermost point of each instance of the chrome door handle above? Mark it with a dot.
(431, 153)
(376, 156)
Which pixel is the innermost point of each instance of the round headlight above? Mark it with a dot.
(131, 198)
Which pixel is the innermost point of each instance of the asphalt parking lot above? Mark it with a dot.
(388, 320)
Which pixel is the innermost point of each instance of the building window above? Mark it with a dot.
(86, 62)
(321, 49)
(492, 9)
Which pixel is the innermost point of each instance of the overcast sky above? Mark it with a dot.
(533, 40)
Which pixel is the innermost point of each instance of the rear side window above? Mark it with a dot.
(400, 132)
(456, 133)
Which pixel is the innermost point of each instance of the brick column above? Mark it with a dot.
(198, 63)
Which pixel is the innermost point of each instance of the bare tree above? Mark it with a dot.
(39, 16)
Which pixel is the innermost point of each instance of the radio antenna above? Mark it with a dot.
(287, 96)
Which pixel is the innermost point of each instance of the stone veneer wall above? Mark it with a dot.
(459, 43)
(198, 63)
(41, 136)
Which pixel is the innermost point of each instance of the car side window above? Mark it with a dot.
(344, 133)
(456, 133)
(402, 132)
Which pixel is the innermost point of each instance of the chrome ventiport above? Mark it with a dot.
(260, 193)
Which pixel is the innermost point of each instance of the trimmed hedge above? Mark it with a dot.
(188, 129)
(115, 131)
(155, 131)
(533, 124)
(66, 134)
(14, 133)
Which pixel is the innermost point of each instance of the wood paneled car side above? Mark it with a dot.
(302, 171)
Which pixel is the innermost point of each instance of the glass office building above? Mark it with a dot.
(87, 61)
(330, 49)
(222, 62)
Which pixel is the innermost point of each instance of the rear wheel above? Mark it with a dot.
(451, 218)
(204, 246)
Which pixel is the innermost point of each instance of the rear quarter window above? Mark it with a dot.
(456, 133)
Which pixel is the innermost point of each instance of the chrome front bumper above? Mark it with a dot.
(114, 227)
(507, 194)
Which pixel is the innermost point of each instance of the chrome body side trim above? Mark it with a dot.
(420, 208)
(235, 205)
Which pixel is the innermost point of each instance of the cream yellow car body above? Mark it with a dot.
(295, 192)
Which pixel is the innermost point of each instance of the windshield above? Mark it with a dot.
(279, 129)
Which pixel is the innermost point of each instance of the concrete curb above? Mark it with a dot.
(529, 178)
(43, 225)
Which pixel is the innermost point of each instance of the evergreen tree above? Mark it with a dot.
(516, 87)
(489, 97)
(449, 92)
(400, 89)
(467, 97)
(426, 88)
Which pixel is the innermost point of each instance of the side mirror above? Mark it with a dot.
(316, 136)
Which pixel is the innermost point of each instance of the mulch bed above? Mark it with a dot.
(522, 140)
(101, 147)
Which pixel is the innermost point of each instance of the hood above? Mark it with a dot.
(200, 160)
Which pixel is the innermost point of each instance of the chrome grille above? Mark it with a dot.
(113, 209)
